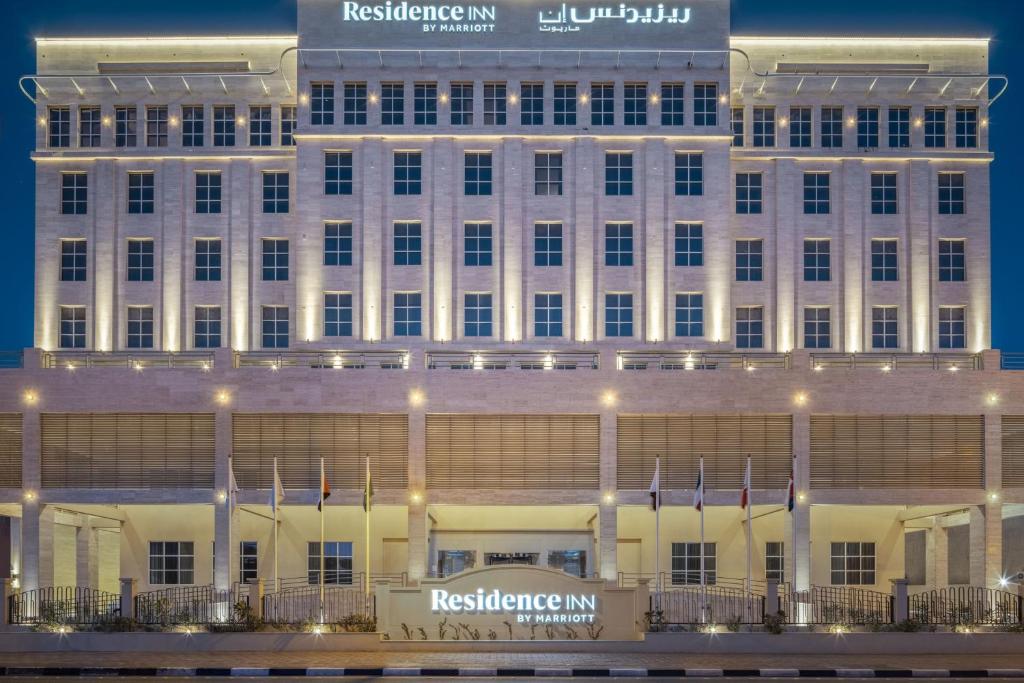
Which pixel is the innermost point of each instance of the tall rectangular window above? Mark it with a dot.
(478, 247)
(774, 561)
(689, 244)
(618, 244)
(208, 188)
(206, 327)
(74, 194)
(547, 173)
(260, 126)
(885, 332)
(816, 193)
(462, 104)
(140, 327)
(748, 193)
(899, 127)
(495, 104)
(337, 173)
(764, 126)
(171, 563)
(408, 249)
(749, 260)
(275, 192)
(275, 260)
(686, 564)
(690, 315)
(817, 327)
(547, 244)
(354, 100)
(274, 328)
(618, 174)
(408, 314)
(58, 127)
(338, 314)
(224, 125)
(338, 244)
(73, 260)
(408, 173)
(634, 104)
(248, 562)
(126, 126)
(208, 259)
(602, 104)
(424, 104)
(966, 127)
(800, 127)
(853, 564)
(884, 198)
(705, 104)
(618, 315)
(89, 126)
(935, 127)
(547, 315)
(689, 174)
(736, 126)
(72, 327)
(478, 316)
(337, 563)
(289, 121)
(952, 332)
(565, 104)
(884, 260)
(673, 107)
(951, 194)
(140, 192)
(952, 262)
(140, 260)
(478, 172)
(817, 260)
(321, 104)
(531, 97)
(832, 127)
(192, 125)
(750, 327)
(156, 126)
(392, 104)
(867, 127)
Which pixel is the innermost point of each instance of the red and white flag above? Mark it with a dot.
(745, 494)
(656, 486)
(698, 491)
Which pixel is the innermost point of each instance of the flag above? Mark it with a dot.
(368, 491)
(790, 493)
(745, 494)
(325, 488)
(656, 486)
(698, 490)
(277, 491)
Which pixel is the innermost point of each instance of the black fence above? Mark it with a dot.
(58, 605)
(183, 605)
(298, 605)
(708, 605)
(837, 605)
(967, 605)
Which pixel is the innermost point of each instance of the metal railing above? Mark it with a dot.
(12, 360)
(185, 605)
(701, 360)
(966, 605)
(71, 605)
(837, 605)
(897, 361)
(73, 360)
(708, 605)
(323, 360)
(676, 580)
(513, 360)
(1011, 361)
(297, 605)
(346, 580)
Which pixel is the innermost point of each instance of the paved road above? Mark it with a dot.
(353, 679)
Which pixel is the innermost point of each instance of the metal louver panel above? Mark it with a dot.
(725, 441)
(513, 452)
(299, 440)
(127, 450)
(10, 450)
(897, 451)
(1013, 450)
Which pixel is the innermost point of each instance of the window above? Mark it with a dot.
(171, 563)
(73, 260)
(705, 104)
(74, 194)
(689, 245)
(338, 314)
(208, 255)
(853, 564)
(140, 260)
(816, 193)
(495, 104)
(689, 174)
(274, 332)
(408, 173)
(618, 315)
(884, 261)
(224, 126)
(749, 260)
(275, 260)
(935, 127)
(547, 173)
(478, 244)
(531, 96)
(206, 328)
(800, 127)
(355, 104)
(952, 267)
(275, 192)
(478, 315)
(408, 314)
(192, 126)
(602, 104)
(966, 127)
(259, 126)
(951, 194)
(408, 244)
(749, 327)
(289, 121)
(686, 564)
(884, 327)
(140, 192)
(337, 563)
(248, 559)
(565, 104)
(547, 315)
(618, 174)
(207, 192)
(321, 104)
(899, 127)
(883, 194)
(338, 244)
(392, 104)
(424, 103)
(748, 193)
(618, 244)
(867, 127)
(817, 260)
(59, 127)
(547, 244)
(817, 327)
(775, 561)
(951, 328)
(831, 127)
(140, 327)
(672, 104)
(72, 327)
(478, 173)
(126, 126)
(89, 127)
(634, 104)
(690, 315)
(462, 104)
(736, 126)
(156, 126)
(337, 173)
(764, 126)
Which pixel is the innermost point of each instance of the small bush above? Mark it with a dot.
(775, 623)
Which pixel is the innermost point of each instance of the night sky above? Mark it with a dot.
(998, 19)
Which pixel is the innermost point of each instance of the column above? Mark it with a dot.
(417, 508)
(798, 535)
(37, 545)
(608, 512)
(937, 556)
(986, 534)
(919, 252)
(87, 569)
(225, 520)
(608, 539)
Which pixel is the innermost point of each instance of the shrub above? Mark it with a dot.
(775, 623)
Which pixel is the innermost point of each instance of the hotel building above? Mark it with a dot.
(511, 253)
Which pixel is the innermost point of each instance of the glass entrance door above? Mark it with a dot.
(491, 559)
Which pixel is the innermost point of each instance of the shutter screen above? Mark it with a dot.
(725, 441)
(10, 450)
(897, 451)
(1013, 450)
(127, 450)
(513, 451)
(299, 440)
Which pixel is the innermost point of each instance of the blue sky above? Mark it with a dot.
(998, 19)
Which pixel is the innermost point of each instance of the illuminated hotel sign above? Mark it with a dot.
(567, 19)
(434, 18)
(529, 608)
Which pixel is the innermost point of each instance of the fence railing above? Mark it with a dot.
(514, 360)
(897, 361)
(185, 605)
(12, 360)
(72, 605)
(699, 360)
(347, 580)
(297, 605)
(73, 360)
(966, 605)
(837, 605)
(675, 580)
(708, 605)
(324, 360)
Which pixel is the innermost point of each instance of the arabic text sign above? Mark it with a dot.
(572, 18)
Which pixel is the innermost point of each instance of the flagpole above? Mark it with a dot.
(368, 504)
(703, 590)
(323, 549)
(274, 495)
(750, 532)
(657, 529)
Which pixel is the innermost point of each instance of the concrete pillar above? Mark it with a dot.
(986, 543)
(771, 597)
(798, 531)
(608, 513)
(608, 540)
(5, 592)
(87, 569)
(417, 509)
(127, 597)
(37, 544)
(900, 604)
(256, 597)
(224, 515)
(937, 556)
